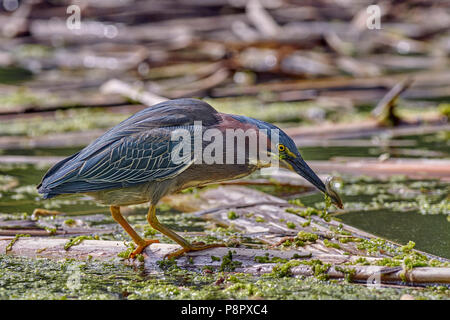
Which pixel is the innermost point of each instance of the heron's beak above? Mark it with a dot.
(299, 166)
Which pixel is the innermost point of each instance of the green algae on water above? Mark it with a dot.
(232, 215)
(290, 225)
(168, 264)
(126, 253)
(260, 219)
(77, 240)
(14, 240)
(330, 244)
(267, 259)
(228, 264)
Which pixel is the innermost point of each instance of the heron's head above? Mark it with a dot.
(290, 158)
(284, 149)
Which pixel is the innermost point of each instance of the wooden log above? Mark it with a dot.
(354, 143)
(414, 168)
(62, 90)
(179, 70)
(375, 274)
(245, 258)
(215, 204)
(45, 229)
(60, 232)
(197, 87)
(218, 202)
(102, 250)
(265, 217)
(56, 140)
(44, 160)
(53, 248)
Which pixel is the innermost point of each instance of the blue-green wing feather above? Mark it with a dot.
(132, 160)
(134, 151)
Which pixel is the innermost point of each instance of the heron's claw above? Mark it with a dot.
(194, 247)
(141, 248)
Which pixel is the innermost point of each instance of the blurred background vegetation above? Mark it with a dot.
(366, 97)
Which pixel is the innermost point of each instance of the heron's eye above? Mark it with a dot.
(281, 148)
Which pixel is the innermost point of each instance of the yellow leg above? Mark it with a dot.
(153, 221)
(141, 243)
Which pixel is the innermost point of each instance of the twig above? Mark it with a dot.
(203, 84)
(384, 111)
(261, 19)
(116, 86)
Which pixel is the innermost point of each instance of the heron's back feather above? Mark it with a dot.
(136, 151)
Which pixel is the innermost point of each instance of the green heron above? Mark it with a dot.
(133, 163)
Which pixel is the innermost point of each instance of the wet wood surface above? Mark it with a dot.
(108, 250)
(214, 204)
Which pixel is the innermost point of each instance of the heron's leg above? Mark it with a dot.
(153, 221)
(141, 243)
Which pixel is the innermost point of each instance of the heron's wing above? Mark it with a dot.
(131, 152)
(167, 114)
(133, 159)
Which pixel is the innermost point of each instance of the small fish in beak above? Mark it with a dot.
(299, 166)
(335, 198)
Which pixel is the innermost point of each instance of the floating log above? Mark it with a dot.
(59, 140)
(35, 247)
(375, 274)
(245, 258)
(421, 79)
(45, 229)
(256, 215)
(261, 19)
(362, 129)
(265, 217)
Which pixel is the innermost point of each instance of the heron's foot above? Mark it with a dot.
(196, 246)
(44, 212)
(145, 243)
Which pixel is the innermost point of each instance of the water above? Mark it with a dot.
(437, 144)
(394, 219)
(431, 233)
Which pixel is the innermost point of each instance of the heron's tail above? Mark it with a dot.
(55, 176)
